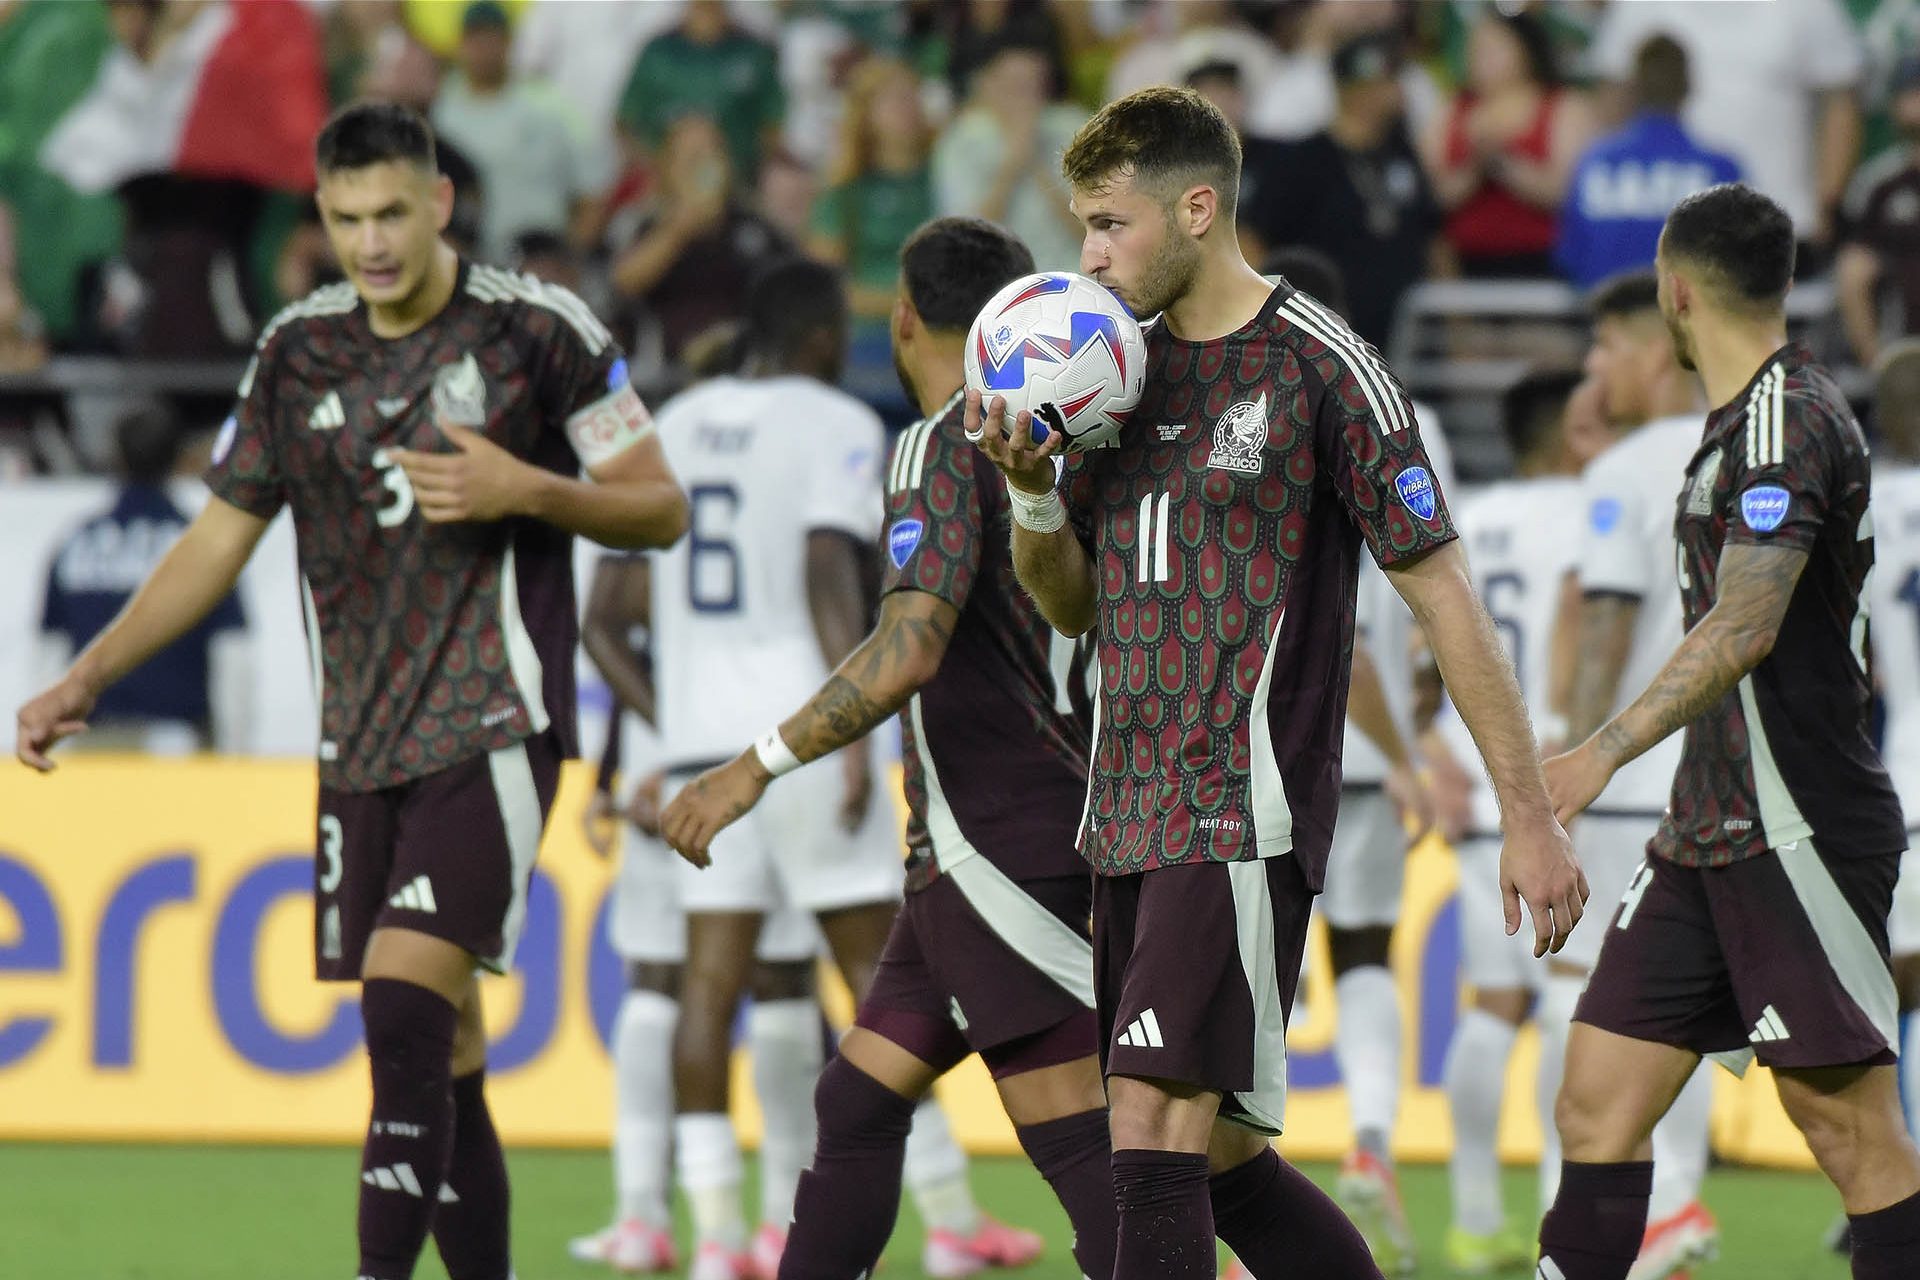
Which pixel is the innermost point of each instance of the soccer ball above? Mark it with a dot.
(1065, 348)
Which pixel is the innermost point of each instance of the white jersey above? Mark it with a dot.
(1521, 538)
(1628, 549)
(1894, 603)
(1384, 623)
(764, 462)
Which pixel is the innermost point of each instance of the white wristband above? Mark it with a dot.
(1041, 513)
(776, 757)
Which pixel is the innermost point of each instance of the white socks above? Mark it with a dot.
(1554, 1015)
(1476, 1084)
(1680, 1147)
(1910, 1070)
(710, 1173)
(1367, 1046)
(785, 1041)
(643, 1105)
(936, 1174)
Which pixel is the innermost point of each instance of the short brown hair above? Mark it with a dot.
(1165, 139)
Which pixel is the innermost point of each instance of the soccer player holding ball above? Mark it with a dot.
(425, 422)
(1213, 553)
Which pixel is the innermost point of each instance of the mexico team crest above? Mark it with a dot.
(460, 394)
(1240, 436)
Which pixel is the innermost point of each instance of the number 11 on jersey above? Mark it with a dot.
(1152, 544)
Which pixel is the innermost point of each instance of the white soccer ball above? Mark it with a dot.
(1065, 348)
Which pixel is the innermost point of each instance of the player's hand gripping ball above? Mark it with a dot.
(1063, 347)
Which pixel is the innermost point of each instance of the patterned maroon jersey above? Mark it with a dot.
(1786, 754)
(995, 756)
(1225, 535)
(432, 643)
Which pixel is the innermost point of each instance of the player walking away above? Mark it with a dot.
(750, 614)
(990, 953)
(1758, 925)
(1215, 551)
(1895, 594)
(424, 421)
(1521, 537)
(1623, 622)
(648, 931)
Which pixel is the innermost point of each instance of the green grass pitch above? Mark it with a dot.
(222, 1213)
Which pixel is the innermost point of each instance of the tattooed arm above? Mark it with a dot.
(876, 680)
(1754, 587)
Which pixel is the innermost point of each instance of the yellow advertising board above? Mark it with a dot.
(156, 983)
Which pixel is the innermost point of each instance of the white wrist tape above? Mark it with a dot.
(776, 757)
(1037, 513)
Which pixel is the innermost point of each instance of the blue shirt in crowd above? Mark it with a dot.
(96, 572)
(1623, 188)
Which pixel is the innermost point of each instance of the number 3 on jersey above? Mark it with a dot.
(400, 506)
(1151, 543)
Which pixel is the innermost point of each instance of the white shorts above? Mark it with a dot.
(647, 925)
(1368, 862)
(1489, 959)
(1903, 927)
(1611, 848)
(791, 851)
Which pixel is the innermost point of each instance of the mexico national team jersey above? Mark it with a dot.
(994, 754)
(1521, 538)
(1225, 532)
(1627, 550)
(765, 462)
(1383, 622)
(431, 643)
(1784, 756)
(1895, 593)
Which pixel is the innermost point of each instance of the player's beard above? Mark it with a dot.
(1682, 345)
(1168, 275)
(905, 375)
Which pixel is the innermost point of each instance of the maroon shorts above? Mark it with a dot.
(1783, 956)
(1196, 968)
(449, 855)
(979, 963)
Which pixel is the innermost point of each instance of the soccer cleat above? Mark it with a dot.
(1370, 1194)
(950, 1255)
(1236, 1270)
(1675, 1243)
(631, 1247)
(1474, 1255)
(764, 1253)
(714, 1261)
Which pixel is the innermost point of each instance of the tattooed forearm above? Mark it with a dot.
(1605, 639)
(1755, 585)
(877, 678)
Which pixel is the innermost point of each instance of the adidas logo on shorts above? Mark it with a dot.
(415, 895)
(1770, 1029)
(1143, 1033)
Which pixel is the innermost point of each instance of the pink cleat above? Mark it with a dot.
(993, 1245)
(631, 1247)
(1236, 1270)
(1675, 1243)
(763, 1255)
(714, 1261)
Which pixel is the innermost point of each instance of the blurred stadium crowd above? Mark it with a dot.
(155, 173)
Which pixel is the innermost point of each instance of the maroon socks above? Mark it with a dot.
(410, 1137)
(844, 1208)
(1166, 1218)
(1594, 1229)
(1886, 1242)
(470, 1226)
(1279, 1223)
(1074, 1155)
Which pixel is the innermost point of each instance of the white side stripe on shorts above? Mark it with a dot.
(518, 796)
